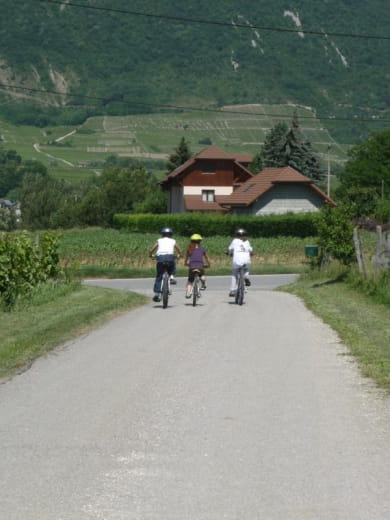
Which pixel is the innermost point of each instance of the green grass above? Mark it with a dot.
(55, 314)
(361, 322)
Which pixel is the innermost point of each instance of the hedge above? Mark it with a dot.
(184, 224)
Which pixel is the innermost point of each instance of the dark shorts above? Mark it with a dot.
(191, 273)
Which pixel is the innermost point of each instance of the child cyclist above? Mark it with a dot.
(196, 258)
(241, 250)
(165, 249)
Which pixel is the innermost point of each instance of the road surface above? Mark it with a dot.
(207, 413)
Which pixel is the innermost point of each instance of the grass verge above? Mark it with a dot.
(361, 322)
(56, 313)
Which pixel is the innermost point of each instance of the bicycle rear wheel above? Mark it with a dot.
(195, 289)
(240, 287)
(165, 290)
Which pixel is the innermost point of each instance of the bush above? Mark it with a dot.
(335, 234)
(299, 225)
(24, 263)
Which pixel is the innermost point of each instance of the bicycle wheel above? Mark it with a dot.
(195, 289)
(240, 287)
(165, 289)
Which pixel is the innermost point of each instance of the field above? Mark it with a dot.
(108, 252)
(77, 152)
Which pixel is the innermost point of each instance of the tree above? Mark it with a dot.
(10, 174)
(272, 151)
(13, 169)
(299, 154)
(181, 154)
(335, 234)
(257, 163)
(286, 147)
(366, 176)
(40, 198)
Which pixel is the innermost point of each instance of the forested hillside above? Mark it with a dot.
(110, 58)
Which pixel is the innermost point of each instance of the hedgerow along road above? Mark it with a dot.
(211, 412)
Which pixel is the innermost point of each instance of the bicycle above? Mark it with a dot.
(165, 286)
(239, 296)
(196, 287)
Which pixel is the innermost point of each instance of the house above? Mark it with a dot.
(276, 191)
(197, 184)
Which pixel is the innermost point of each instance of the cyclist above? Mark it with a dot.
(196, 258)
(241, 250)
(164, 250)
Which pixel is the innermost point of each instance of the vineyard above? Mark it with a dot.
(114, 249)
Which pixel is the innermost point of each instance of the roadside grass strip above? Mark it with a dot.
(362, 324)
(54, 315)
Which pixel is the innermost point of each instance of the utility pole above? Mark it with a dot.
(328, 175)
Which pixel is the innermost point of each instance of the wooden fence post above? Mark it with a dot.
(359, 252)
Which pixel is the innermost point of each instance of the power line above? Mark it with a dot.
(215, 22)
(189, 108)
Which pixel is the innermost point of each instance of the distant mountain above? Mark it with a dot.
(104, 57)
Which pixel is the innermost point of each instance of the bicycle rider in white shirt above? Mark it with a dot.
(241, 250)
(166, 249)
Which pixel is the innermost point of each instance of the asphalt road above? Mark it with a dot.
(206, 413)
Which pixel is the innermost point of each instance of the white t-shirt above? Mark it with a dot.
(166, 246)
(241, 251)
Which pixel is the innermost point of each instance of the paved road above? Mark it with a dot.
(207, 413)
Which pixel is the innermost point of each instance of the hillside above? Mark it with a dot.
(73, 152)
(125, 63)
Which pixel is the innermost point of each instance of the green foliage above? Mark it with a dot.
(181, 154)
(25, 262)
(272, 151)
(299, 153)
(335, 234)
(377, 288)
(257, 164)
(155, 202)
(366, 177)
(41, 197)
(10, 173)
(382, 210)
(286, 147)
(205, 224)
(7, 220)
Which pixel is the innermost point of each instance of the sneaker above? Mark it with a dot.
(203, 285)
(173, 280)
(247, 282)
(232, 294)
(188, 295)
(156, 298)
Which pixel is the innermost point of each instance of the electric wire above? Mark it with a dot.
(189, 108)
(181, 19)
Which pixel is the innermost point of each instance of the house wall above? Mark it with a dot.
(175, 200)
(285, 198)
(214, 173)
(197, 190)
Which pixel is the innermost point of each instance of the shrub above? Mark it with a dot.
(335, 234)
(299, 225)
(24, 263)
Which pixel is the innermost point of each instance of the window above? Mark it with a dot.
(208, 168)
(208, 195)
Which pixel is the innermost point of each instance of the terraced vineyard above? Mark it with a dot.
(76, 152)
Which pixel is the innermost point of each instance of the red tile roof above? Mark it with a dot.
(195, 203)
(259, 184)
